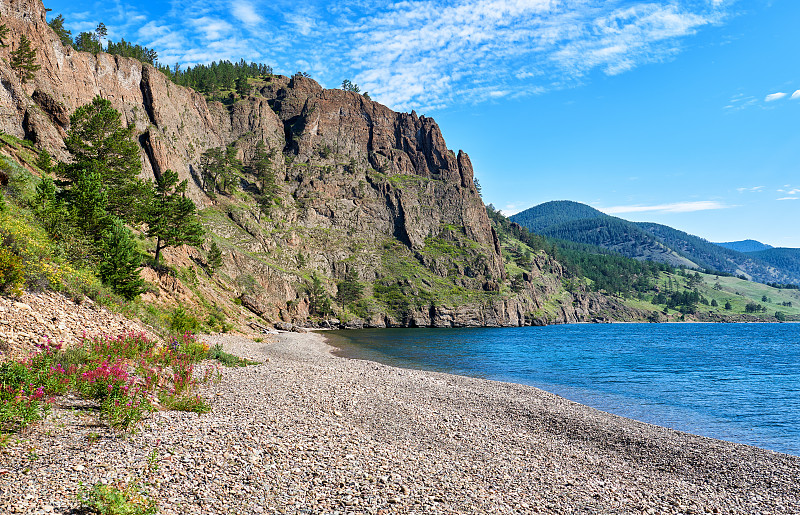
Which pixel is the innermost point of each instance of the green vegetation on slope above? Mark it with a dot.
(579, 223)
(575, 222)
(744, 245)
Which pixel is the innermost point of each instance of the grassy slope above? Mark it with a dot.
(737, 291)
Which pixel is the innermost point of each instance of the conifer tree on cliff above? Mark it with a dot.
(100, 144)
(23, 59)
(261, 166)
(57, 24)
(171, 216)
(3, 35)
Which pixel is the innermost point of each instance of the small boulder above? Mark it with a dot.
(283, 326)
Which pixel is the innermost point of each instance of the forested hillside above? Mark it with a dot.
(579, 223)
(787, 261)
(575, 222)
(745, 245)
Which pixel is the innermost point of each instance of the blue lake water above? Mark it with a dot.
(736, 382)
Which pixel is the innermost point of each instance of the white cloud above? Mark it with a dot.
(301, 22)
(511, 208)
(245, 12)
(415, 53)
(774, 96)
(676, 207)
(741, 101)
(788, 198)
(153, 30)
(211, 28)
(426, 54)
(753, 189)
(796, 95)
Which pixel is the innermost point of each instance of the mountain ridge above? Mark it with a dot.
(745, 245)
(646, 240)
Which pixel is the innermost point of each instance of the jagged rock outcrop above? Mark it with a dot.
(361, 189)
(175, 124)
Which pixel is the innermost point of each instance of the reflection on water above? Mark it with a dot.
(737, 382)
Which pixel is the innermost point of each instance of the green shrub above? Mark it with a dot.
(182, 322)
(229, 360)
(21, 399)
(119, 499)
(12, 275)
(192, 403)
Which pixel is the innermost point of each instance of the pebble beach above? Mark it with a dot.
(306, 431)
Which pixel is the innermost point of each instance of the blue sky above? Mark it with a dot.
(682, 112)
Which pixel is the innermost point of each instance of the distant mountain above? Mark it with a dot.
(576, 222)
(579, 223)
(745, 245)
(781, 259)
(706, 254)
(540, 218)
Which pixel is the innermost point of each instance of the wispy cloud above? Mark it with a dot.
(752, 189)
(426, 54)
(512, 208)
(211, 28)
(774, 96)
(245, 12)
(676, 207)
(788, 198)
(413, 53)
(741, 101)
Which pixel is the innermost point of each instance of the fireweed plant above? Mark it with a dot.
(128, 375)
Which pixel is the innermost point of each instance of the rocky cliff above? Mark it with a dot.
(362, 189)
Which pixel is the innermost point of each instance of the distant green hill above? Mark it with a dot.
(745, 245)
(579, 223)
(786, 260)
(706, 254)
(539, 218)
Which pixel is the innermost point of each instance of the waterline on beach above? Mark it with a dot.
(734, 382)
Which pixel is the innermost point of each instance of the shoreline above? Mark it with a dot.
(308, 432)
(649, 410)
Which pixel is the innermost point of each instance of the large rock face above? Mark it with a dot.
(175, 124)
(362, 188)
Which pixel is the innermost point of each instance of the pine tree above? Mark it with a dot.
(171, 216)
(49, 209)
(23, 59)
(121, 261)
(232, 166)
(214, 257)
(44, 161)
(242, 87)
(57, 24)
(218, 168)
(3, 35)
(98, 142)
(211, 162)
(349, 289)
(262, 169)
(100, 33)
(87, 204)
(319, 303)
(86, 42)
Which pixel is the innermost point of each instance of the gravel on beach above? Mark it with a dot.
(308, 432)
